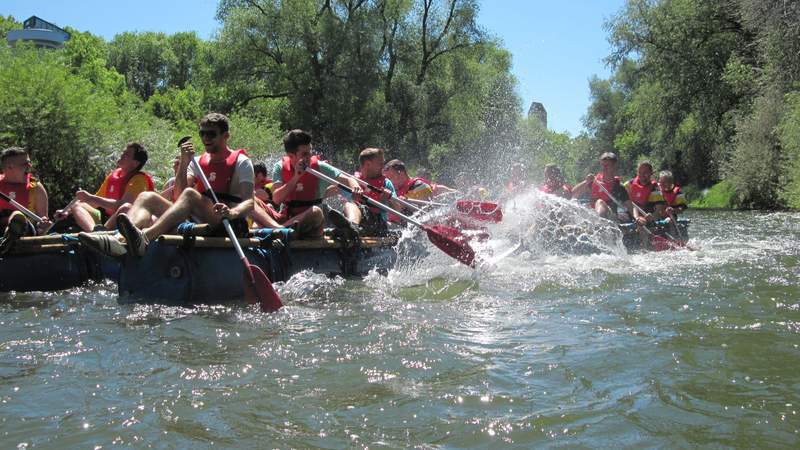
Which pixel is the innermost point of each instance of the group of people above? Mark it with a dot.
(643, 199)
(292, 197)
(128, 202)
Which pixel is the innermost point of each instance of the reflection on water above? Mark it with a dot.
(539, 348)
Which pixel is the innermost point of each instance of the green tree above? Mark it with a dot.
(7, 24)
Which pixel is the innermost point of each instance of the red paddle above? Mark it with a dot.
(448, 239)
(257, 287)
(483, 211)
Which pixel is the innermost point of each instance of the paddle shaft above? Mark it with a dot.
(28, 213)
(225, 222)
(425, 203)
(377, 189)
(369, 201)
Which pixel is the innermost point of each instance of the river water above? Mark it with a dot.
(672, 349)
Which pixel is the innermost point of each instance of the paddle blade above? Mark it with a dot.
(258, 289)
(661, 243)
(483, 211)
(451, 241)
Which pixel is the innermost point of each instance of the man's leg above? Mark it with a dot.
(352, 212)
(84, 216)
(111, 223)
(190, 203)
(263, 218)
(308, 223)
(603, 210)
(312, 224)
(147, 205)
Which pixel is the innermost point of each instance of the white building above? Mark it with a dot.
(41, 32)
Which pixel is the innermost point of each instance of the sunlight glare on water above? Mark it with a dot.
(542, 347)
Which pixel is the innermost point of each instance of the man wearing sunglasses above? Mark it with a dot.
(230, 173)
(17, 183)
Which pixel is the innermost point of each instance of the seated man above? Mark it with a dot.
(230, 173)
(17, 183)
(367, 219)
(590, 191)
(414, 188)
(121, 186)
(643, 193)
(299, 192)
(554, 183)
(669, 199)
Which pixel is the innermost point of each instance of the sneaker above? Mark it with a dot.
(135, 239)
(105, 244)
(344, 227)
(14, 230)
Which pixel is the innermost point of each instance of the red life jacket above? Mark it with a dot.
(564, 191)
(671, 195)
(640, 193)
(219, 173)
(305, 193)
(379, 183)
(598, 193)
(403, 190)
(117, 182)
(20, 192)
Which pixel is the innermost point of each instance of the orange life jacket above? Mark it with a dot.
(116, 182)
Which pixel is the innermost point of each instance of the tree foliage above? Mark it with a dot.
(699, 88)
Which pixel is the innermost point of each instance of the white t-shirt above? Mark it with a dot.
(243, 176)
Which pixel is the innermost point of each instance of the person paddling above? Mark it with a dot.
(554, 183)
(121, 186)
(230, 173)
(589, 191)
(643, 192)
(18, 184)
(416, 188)
(301, 193)
(361, 218)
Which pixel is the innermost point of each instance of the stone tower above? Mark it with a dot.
(537, 110)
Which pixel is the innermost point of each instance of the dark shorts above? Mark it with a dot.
(372, 223)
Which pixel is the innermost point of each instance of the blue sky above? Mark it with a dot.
(557, 46)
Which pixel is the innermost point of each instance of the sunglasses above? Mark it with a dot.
(211, 134)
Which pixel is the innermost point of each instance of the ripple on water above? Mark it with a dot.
(675, 349)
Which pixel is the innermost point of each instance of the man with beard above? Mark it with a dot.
(17, 183)
(230, 173)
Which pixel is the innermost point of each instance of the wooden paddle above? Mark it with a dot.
(257, 287)
(448, 239)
